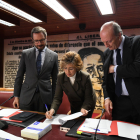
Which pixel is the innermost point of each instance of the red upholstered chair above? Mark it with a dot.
(96, 114)
(65, 105)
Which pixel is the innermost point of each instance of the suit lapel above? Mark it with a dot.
(72, 89)
(127, 51)
(46, 61)
(108, 62)
(76, 85)
(32, 58)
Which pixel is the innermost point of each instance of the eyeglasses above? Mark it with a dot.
(41, 41)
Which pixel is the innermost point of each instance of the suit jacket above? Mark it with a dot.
(80, 95)
(129, 70)
(25, 90)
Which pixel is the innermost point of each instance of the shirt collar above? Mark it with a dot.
(73, 77)
(42, 50)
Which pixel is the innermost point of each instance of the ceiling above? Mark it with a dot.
(127, 15)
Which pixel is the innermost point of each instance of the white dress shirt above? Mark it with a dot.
(72, 79)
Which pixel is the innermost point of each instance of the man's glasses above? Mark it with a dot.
(37, 41)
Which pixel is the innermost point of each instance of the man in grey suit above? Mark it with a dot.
(40, 66)
(121, 83)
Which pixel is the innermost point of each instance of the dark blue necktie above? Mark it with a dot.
(118, 87)
(38, 63)
(38, 66)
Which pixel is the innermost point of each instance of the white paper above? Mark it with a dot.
(70, 117)
(128, 130)
(104, 124)
(55, 119)
(90, 125)
(6, 112)
(4, 135)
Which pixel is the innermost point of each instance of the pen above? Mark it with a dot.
(46, 107)
(84, 133)
(97, 129)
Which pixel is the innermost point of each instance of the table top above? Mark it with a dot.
(54, 134)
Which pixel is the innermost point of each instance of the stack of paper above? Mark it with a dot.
(36, 130)
(90, 125)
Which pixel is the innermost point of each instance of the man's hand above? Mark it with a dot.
(111, 69)
(84, 111)
(108, 106)
(16, 103)
(49, 114)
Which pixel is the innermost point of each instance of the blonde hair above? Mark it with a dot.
(73, 58)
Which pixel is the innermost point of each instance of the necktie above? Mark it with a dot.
(118, 87)
(38, 63)
(38, 66)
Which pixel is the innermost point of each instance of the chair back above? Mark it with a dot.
(65, 105)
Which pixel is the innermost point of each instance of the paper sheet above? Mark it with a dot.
(55, 119)
(70, 117)
(7, 112)
(4, 135)
(90, 125)
(128, 130)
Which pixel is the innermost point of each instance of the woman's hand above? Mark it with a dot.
(49, 114)
(84, 111)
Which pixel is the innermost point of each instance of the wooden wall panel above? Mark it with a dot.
(127, 15)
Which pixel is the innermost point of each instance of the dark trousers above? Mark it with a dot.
(36, 104)
(124, 110)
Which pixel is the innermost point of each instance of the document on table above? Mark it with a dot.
(90, 125)
(7, 112)
(128, 130)
(7, 136)
(55, 119)
(70, 117)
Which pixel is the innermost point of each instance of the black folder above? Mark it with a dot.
(23, 116)
(37, 117)
(73, 131)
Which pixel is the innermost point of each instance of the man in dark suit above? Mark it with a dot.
(121, 83)
(40, 65)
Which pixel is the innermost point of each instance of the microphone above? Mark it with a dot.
(7, 100)
(95, 137)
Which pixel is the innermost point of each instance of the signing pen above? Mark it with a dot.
(46, 107)
(84, 133)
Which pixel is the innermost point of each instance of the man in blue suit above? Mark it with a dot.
(40, 66)
(121, 85)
